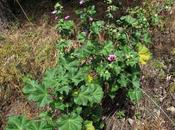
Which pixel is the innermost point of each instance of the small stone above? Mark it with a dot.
(171, 109)
(131, 121)
(161, 99)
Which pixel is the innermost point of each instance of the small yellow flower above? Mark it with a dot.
(89, 126)
(89, 78)
(144, 54)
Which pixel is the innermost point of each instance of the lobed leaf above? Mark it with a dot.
(36, 92)
(89, 94)
(70, 122)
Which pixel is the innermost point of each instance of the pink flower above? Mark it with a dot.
(66, 17)
(111, 57)
(54, 12)
(56, 17)
(90, 19)
(81, 2)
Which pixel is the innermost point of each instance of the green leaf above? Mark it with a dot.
(70, 122)
(91, 94)
(63, 43)
(108, 48)
(59, 105)
(61, 80)
(63, 88)
(17, 123)
(69, 65)
(131, 56)
(123, 80)
(78, 110)
(96, 93)
(39, 125)
(77, 76)
(135, 94)
(65, 26)
(122, 36)
(89, 125)
(113, 90)
(87, 49)
(81, 36)
(129, 20)
(135, 81)
(83, 96)
(36, 92)
(46, 117)
(115, 67)
(85, 13)
(146, 37)
(49, 80)
(97, 26)
(102, 70)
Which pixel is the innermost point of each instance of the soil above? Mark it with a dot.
(156, 110)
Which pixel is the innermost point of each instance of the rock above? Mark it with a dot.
(171, 109)
(131, 121)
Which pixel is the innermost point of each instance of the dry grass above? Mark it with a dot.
(28, 50)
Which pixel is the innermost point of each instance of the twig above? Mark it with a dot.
(159, 107)
(23, 11)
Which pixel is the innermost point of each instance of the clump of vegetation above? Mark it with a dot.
(95, 60)
(11, 56)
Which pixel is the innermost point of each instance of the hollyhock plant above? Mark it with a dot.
(96, 59)
(111, 58)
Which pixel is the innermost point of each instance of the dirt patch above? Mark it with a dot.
(164, 40)
(17, 105)
(158, 77)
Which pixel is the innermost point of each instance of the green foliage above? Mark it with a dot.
(21, 123)
(58, 8)
(17, 123)
(168, 4)
(120, 114)
(39, 125)
(89, 125)
(135, 94)
(36, 92)
(95, 60)
(89, 94)
(70, 122)
(86, 13)
(65, 26)
(96, 27)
